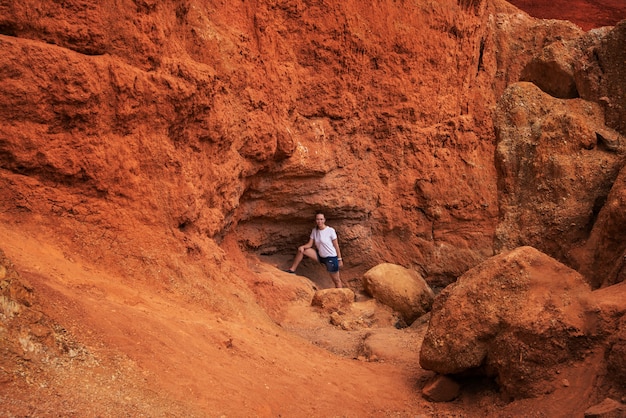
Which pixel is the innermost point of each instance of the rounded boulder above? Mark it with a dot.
(402, 289)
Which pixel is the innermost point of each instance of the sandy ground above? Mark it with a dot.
(127, 349)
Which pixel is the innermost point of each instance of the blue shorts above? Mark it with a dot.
(331, 263)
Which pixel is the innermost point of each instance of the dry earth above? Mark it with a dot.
(95, 346)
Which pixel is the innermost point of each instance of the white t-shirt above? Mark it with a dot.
(324, 241)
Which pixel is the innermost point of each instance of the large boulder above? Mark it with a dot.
(403, 290)
(514, 317)
(552, 70)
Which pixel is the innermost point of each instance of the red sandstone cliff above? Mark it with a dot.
(146, 147)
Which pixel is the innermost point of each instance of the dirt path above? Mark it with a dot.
(128, 348)
(158, 355)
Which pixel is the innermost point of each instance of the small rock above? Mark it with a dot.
(608, 408)
(335, 318)
(441, 389)
(333, 299)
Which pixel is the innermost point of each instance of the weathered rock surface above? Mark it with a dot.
(441, 389)
(147, 148)
(616, 360)
(402, 289)
(609, 408)
(276, 293)
(233, 134)
(251, 126)
(333, 300)
(602, 258)
(611, 302)
(559, 158)
(555, 170)
(603, 75)
(553, 71)
(517, 316)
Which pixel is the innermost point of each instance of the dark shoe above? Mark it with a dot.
(289, 271)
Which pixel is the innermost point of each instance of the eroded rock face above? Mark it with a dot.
(611, 326)
(557, 161)
(402, 289)
(515, 316)
(600, 73)
(616, 360)
(176, 116)
(213, 119)
(151, 131)
(602, 259)
(553, 72)
(559, 158)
